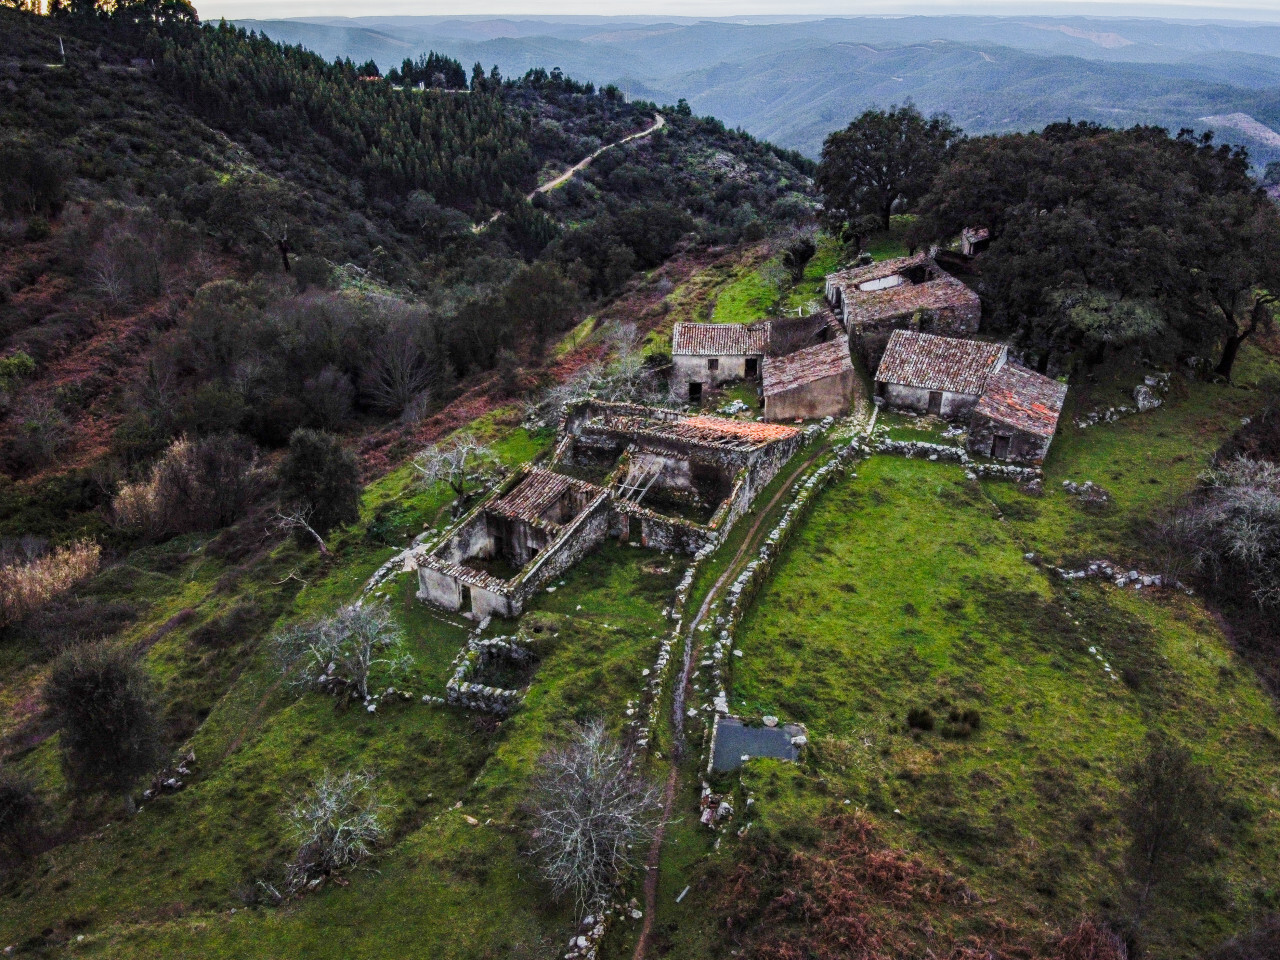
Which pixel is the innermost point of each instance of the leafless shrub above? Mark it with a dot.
(336, 824)
(594, 816)
(40, 436)
(1229, 531)
(26, 586)
(340, 653)
(127, 265)
(193, 486)
(627, 378)
(457, 462)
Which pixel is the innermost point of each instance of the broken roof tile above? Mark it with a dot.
(818, 362)
(938, 363)
(1023, 399)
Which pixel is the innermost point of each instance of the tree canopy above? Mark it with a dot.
(1106, 238)
(882, 158)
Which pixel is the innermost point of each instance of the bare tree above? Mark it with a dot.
(340, 653)
(594, 816)
(456, 463)
(336, 824)
(1229, 530)
(298, 521)
(397, 372)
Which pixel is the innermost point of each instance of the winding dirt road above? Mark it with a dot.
(659, 121)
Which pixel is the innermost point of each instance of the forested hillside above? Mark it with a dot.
(244, 237)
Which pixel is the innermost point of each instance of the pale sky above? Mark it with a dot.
(275, 9)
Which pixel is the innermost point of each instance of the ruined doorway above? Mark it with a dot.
(1000, 447)
(635, 530)
(464, 605)
(695, 391)
(753, 368)
(935, 403)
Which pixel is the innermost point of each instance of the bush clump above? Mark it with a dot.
(104, 707)
(33, 576)
(920, 718)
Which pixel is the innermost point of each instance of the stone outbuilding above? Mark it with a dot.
(973, 240)
(942, 376)
(1016, 416)
(816, 381)
(908, 293)
(705, 355)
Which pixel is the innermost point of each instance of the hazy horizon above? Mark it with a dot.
(760, 10)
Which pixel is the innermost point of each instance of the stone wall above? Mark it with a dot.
(917, 398)
(828, 397)
(920, 450)
(687, 369)
(1023, 447)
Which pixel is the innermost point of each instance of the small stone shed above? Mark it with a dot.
(908, 293)
(942, 376)
(813, 382)
(973, 240)
(705, 355)
(1016, 416)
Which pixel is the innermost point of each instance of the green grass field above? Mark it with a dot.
(908, 589)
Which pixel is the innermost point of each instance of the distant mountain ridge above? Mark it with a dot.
(794, 81)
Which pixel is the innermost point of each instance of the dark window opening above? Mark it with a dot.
(713, 364)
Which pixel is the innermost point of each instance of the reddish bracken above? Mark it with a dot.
(854, 898)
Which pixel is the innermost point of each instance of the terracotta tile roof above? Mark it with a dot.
(850, 277)
(759, 434)
(945, 292)
(539, 490)
(938, 363)
(937, 290)
(1023, 399)
(818, 362)
(720, 339)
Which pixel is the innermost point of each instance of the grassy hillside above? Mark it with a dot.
(912, 588)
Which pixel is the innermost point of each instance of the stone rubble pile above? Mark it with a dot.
(714, 807)
(1146, 396)
(1088, 491)
(1105, 570)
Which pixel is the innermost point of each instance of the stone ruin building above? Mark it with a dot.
(651, 476)
(706, 355)
(908, 293)
(1012, 411)
(817, 384)
(973, 240)
(813, 382)
(1016, 416)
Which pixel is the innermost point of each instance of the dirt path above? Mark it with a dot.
(659, 121)
(749, 545)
